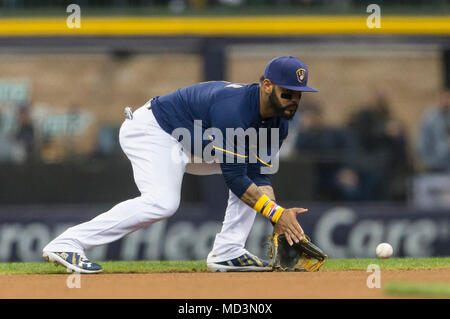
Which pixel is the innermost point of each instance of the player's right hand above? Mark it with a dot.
(289, 226)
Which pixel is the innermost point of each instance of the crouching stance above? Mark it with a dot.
(150, 139)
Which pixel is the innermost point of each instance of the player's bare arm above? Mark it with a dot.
(268, 190)
(262, 198)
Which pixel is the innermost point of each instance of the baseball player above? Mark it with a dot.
(160, 158)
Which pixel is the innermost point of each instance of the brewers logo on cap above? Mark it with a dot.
(289, 73)
(301, 75)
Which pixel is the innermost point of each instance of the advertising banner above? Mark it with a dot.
(342, 231)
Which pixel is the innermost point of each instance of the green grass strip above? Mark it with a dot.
(417, 289)
(407, 263)
(200, 265)
(108, 267)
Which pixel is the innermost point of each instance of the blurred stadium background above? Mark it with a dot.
(369, 155)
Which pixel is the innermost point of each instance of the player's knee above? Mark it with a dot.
(170, 206)
(162, 206)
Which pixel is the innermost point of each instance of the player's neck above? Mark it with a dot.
(265, 111)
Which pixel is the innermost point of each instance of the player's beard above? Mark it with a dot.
(276, 105)
(280, 111)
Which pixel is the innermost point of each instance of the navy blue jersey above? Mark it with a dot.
(222, 105)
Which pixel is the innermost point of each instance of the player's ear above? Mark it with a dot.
(268, 86)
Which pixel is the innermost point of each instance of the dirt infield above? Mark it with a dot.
(327, 284)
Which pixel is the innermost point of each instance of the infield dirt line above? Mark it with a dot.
(339, 284)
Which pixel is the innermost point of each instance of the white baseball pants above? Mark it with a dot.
(159, 164)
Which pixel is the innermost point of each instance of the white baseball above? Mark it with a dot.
(384, 250)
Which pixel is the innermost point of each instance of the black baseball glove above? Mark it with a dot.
(296, 257)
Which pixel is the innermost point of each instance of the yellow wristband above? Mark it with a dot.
(277, 214)
(260, 203)
(268, 208)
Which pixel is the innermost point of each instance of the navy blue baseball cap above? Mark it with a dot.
(289, 73)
